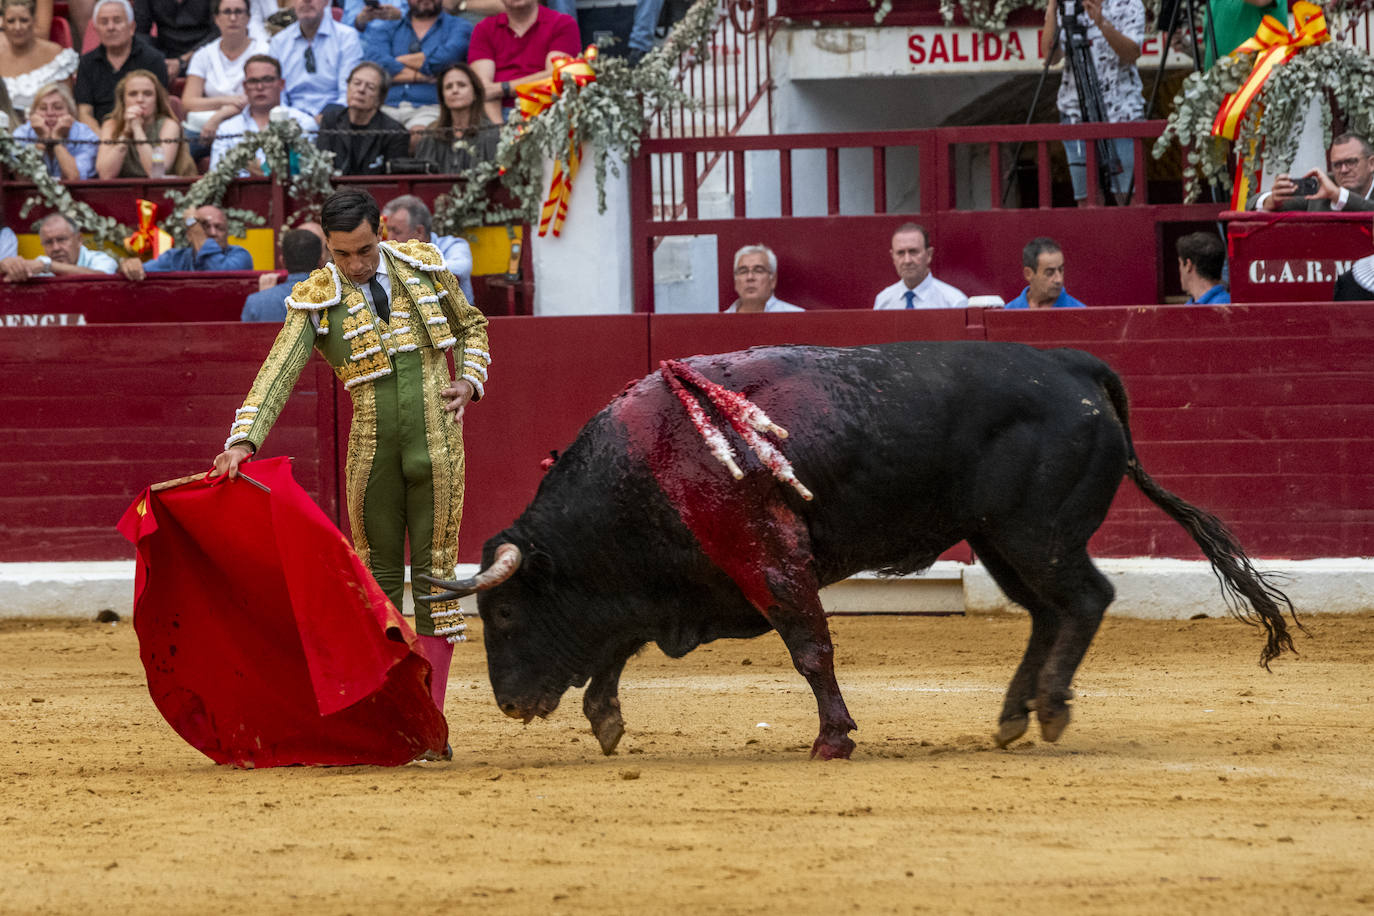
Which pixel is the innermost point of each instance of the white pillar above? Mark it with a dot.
(586, 270)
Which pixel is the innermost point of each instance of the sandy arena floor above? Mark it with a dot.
(1190, 782)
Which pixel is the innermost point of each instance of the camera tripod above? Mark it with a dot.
(1169, 11)
(1079, 61)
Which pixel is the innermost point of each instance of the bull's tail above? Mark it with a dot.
(1251, 596)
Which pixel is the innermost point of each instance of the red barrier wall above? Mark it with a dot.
(1260, 413)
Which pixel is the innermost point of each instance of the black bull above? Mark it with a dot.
(637, 534)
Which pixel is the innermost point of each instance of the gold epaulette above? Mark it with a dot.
(320, 290)
(420, 255)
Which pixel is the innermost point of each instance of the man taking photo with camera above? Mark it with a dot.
(1352, 165)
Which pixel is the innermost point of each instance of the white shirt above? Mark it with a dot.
(457, 258)
(222, 76)
(95, 260)
(930, 294)
(384, 278)
(231, 132)
(9, 243)
(774, 304)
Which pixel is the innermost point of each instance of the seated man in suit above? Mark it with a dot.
(1352, 164)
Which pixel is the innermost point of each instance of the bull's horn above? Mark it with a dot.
(502, 568)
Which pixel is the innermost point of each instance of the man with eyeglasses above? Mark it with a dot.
(317, 54)
(207, 231)
(1352, 165)
(262, 84)
(756, 276)
(63, 254)
(361, 138)
(414, 50)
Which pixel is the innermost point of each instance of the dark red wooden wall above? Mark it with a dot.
(1262, 413)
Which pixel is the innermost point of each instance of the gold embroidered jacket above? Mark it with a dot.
(327, 312)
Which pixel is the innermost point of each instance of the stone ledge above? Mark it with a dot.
(1145, 588)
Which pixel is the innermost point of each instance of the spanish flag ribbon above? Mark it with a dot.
(1276, 45)
(149, 241)
(533, 98)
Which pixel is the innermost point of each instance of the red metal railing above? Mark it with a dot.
(730, 83)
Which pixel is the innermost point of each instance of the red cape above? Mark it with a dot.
(265, 639)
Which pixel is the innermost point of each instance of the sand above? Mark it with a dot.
(1190, 781)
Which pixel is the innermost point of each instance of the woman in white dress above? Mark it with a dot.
(215, 77)
(27, 61)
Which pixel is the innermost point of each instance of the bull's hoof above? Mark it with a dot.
(1008, 730)
(1053, 723)
(832, 748)
(608, 733)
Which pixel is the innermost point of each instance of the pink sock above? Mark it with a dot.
(438, 651)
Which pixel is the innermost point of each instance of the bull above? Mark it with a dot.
(638, 534)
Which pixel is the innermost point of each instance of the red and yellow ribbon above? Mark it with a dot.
(1276, 45)
(534, 98)
(149, 241)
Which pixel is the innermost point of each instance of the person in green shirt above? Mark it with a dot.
(1234, 22)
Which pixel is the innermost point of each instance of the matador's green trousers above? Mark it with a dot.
(405, 476)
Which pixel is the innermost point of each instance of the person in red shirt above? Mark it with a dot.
(518, 46)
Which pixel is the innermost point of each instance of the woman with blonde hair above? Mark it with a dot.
(152, 143)
(68, 144)
(30, 61)
(461, 117)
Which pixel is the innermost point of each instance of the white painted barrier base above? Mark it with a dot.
(1145, 588)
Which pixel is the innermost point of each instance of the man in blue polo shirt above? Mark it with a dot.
(1201, 259)
(1042, 264)
(413, 50)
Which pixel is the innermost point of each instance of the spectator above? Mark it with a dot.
(68, 145)
(361, 138)
(361, 13)
(152, 143)
(756, 276)
(263, 84)
(1042, 264)
(408, 220)
(120, 53)
(413, 50)
(30, 60)
(642, 30)
(1233, 22)
(182, 27)
(462, 116)
(63, 254)
(300, 252)
(518, 46)
(917, 289)
(9, 242)
(1352, 163)
(271, 279)
(207, 229)
(1201, 260)
(214, 79)
(317, 56)
(1115, 30)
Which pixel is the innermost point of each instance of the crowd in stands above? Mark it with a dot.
(168, 87)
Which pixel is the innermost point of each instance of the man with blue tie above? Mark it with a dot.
(317, 56)
(911, 254)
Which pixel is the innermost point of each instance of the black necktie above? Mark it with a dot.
(380, 305)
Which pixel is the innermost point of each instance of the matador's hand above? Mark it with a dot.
(457, 396)
(228, 461)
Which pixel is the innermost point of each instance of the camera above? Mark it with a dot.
(1306, 187)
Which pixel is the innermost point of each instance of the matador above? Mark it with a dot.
(385, 316)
